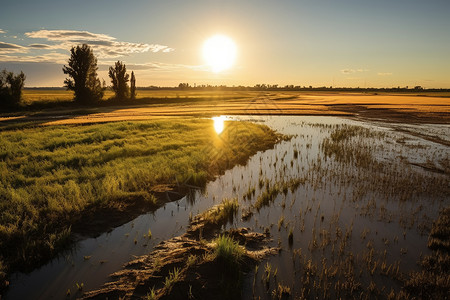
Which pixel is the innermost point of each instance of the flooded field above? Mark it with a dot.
(350, 204)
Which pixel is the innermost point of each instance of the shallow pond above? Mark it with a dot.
(368, 215)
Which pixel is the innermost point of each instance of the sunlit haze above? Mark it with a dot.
(344, 43)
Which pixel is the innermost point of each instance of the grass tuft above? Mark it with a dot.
(174, 276)
(222, 213)
(228, 251)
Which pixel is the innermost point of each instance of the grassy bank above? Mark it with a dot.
(51, 176)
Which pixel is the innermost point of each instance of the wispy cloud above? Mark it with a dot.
(43, 46)
(2, 31)
(384, 74)
(153, 66)
(104, 45)
(68, 35)
(11, 48)
(351, 71)
(52, 57)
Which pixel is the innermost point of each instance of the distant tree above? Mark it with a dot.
(11, 88)
(132, 86)
(84, 80)
(184, 86)
(119, 79)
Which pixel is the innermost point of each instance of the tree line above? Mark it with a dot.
(82, 79)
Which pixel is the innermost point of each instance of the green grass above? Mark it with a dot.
(222, 213)
(51, 175)
(267, 196)
(151, 295)
(174, 276)
(228, 251)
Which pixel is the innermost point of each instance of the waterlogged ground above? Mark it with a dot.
(350, 204)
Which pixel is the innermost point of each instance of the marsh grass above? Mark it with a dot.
(229, 252)
(350, 143)
(433, 281)
(357, 168)
(174, 277)
(52, 176)
(192, 259)
(267, 197)
(291, 236)
(281, 292)
(222, 213)
(269, 194)
(151, 295)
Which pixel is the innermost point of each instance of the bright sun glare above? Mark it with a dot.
(219, 52)
(219, 124)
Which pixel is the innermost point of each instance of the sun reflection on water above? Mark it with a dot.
(219, 124)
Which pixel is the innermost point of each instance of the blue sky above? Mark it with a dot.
(313, 42)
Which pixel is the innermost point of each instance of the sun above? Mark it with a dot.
(219, 52)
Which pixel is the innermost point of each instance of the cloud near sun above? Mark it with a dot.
(105, 46)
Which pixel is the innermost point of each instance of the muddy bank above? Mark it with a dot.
(186, 267)
(97, 220)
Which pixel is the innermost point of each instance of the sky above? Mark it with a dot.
(345, 43)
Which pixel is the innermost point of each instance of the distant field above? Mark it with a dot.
(33, 95)
(37, 95)
(30, 96)
(402, 107)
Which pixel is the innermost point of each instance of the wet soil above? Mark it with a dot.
(201, 275)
